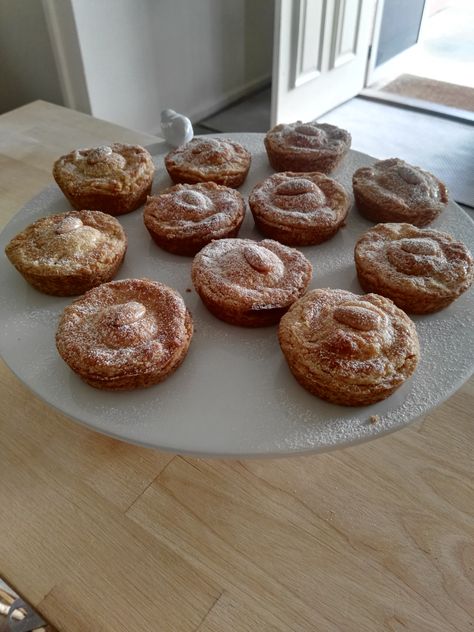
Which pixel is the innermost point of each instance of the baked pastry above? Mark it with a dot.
(69, 253)
(349, 349)
(204, 159)
(421, 270)
(250, 283)
(299, 209)
(114, 179)
(306, 146)
(126, 334)
(394, 191)
(184, 218)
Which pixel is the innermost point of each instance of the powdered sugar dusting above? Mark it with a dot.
(234, 394)
(408, 259)
(189, 209)
(264, 273)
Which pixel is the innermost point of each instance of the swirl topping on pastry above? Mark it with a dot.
(68, 241)
(207, 155)
(251, 273)
(309, 198)
(357, 340)
(299, 193)
(309, 136)
(396, 179)
(129, 326)
(116, 168)
(125, 325)
(410, 259)
(188, 208)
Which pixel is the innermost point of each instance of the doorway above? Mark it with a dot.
(439, 70)
(427, 63)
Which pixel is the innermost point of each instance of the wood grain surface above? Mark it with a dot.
(100, 535)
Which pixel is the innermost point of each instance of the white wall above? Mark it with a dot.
(190, 55)
(28, 69)
(126, 60)
(209, 52)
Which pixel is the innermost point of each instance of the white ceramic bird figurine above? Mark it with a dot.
(176, 128)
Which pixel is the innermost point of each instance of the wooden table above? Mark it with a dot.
(101, 535)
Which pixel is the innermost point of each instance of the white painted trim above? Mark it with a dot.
(374, 45)
(393, 66)
(276, 78)
(61, 24)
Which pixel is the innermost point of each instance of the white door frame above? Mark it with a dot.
(393, 66)
(61, 24)
(321, 61)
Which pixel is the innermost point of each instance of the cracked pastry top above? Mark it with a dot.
(299, 209)
(421, 270)
(125, 334)
(218, 160)
(306, 146)
(114, 179)
(250, 283)
(349, 349)
(184, 218)
(69, 253)
(394, 191)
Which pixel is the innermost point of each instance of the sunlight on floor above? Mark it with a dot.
(445, 50)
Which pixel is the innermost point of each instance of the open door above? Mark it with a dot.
(321, 50)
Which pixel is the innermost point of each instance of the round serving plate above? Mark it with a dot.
(234, 394)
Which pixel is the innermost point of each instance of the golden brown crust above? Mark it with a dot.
(114, 179)
(218, 160)
(394, 191)
(306, 146)
(421, 270)
(126, 334)
(69, 253)
(184, 218)
(348, 349)
(299, 209)
(250, 283)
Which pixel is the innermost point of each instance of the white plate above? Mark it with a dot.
(233, 395)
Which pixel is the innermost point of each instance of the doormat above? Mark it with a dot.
(449, 94)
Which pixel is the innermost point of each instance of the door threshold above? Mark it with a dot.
(418, 105)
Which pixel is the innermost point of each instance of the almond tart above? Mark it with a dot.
(114, 179)
(306, 146)
(125, 334)
(69, 253)
(299, 209)
(186, 217)
(394, 191)
(349, 349)
(250, 283)
(421, 270)
(204, 159)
